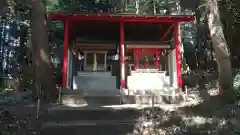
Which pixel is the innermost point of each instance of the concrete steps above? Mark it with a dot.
(63, 120)
(90, 130)
(78, 100)
(62, 113)
(101, 98)
(85, 114)
(92, 119)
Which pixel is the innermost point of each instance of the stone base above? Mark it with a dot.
(169, 96)
(90, 100)
(94, 98)
(159, 99)
(76, 100)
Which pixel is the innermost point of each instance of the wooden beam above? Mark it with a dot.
(131, 46)
(167, 32)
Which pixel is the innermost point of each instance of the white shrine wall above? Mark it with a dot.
(150, 82)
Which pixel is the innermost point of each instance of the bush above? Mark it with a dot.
(236, 81)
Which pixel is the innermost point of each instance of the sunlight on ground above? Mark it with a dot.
(192, 99)
(76, 105)
(193, 123)
(212, 88)
(197, 120)
(213, 92)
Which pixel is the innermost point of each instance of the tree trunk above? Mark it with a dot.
(23, 78)
(220, 47)
(43, 69)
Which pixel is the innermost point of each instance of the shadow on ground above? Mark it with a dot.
(210, 117)
(213, 116)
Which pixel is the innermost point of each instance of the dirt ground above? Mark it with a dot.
(19, 120)
(210, 117)
(204, 119)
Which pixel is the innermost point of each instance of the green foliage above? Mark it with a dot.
(236, 82)
(140, 7)
(230, 14)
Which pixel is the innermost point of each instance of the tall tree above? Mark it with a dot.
(41, 58)
(220, 46)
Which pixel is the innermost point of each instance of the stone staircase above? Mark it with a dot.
(94, 118)
(80, 113)
(60, 120)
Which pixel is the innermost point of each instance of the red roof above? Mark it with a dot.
(119, 17)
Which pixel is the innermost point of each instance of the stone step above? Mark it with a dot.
(78, 99)
(88, 123)
(60, 114)
(98, 92)
(100, 97)
(109, 120)
(62, 120)
(101, 74)
(89, 83)
(114, 129)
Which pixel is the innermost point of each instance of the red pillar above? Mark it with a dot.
(122, 55)
(65, 55)
(178, 53)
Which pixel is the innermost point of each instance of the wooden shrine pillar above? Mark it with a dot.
(122, 56)
(178, 53)
(65, 54)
